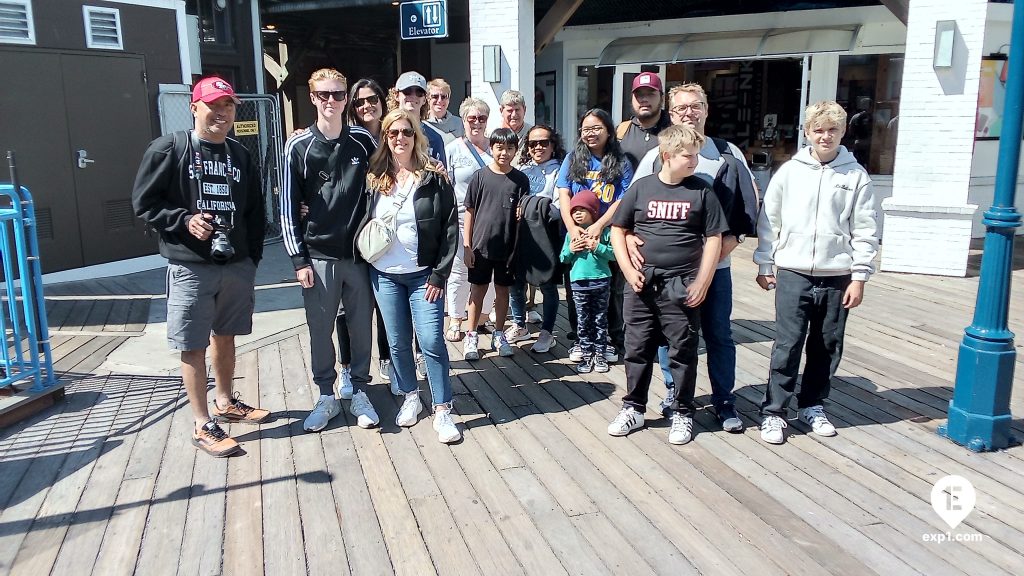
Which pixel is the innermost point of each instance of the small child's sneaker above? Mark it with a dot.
(611, 354)
(600, 364)
(585, 366)
(576, 353)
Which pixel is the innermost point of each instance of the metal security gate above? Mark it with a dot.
(257, 127)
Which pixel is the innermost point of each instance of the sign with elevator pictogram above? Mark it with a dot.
(424, 19)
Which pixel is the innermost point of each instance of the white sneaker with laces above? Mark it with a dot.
(500, 343)
(517, 333)
(421, 367)
(447, 431)
(626, 421)
(410, 409)
(772, 429)
(345, 390)
(544, 342)
(815, 417)
(327, 407)
(576, 353)
(681, 431)
(366, 416)
(533, 317)
(471, 346)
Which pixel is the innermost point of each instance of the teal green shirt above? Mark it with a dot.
(587, 265)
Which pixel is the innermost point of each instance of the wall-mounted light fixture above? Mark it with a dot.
(945, 32)
(492, 63)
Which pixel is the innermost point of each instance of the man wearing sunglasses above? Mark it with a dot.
(325, 169)
(411, 89)
(439, 96)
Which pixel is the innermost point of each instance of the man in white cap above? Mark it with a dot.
(411, 89)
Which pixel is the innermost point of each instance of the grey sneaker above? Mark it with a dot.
(772, 429)
(815, 417)
(627, 420)
(471, 346)
(384, 370)
(500, 343)
(447, 431)
(366, 416)
(421, 367)
(729, 419)
(345, 390)
(327, 407)
(611, 354)
(410, 409)
(544, 342)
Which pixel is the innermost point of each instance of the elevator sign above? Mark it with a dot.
(424, 19)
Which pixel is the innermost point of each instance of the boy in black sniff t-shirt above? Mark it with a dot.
(681, 222)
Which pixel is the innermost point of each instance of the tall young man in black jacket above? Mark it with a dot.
(326, 170)
(193, 188)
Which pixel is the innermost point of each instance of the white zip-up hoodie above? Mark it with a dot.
(818, 219)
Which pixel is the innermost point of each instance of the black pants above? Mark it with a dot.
(650, 319)
(344, 346)
(807, 308)
(616, 331)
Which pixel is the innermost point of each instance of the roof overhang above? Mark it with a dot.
(739, 45)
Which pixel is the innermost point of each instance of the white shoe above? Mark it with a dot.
(627, 420)
(447, 431)
(517, 333)
(576, 354)
(345, 390)
(500, 343)
(815, 417)
(681, 431)
(610, 354)
(384, 369)
(772, 429)
(411, 408)
(544, 342)
(532, 317)
(421, 367)
(366, 416)
(471, 346)
(327, 407)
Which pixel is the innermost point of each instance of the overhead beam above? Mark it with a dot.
(553, 21)
(899, 8)
(311, 5)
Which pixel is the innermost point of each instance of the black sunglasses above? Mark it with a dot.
(372, 99)
(324, 95)
(538, 143)
(417, 91)
(407, 132)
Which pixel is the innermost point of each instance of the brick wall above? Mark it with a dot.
(508, 24)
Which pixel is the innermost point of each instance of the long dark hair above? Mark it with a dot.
(612, 163)
(557, 148)
(351, 116)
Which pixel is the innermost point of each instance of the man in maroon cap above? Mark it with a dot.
(201, 191)
(640, 134)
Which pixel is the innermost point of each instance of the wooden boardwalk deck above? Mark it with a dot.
(107, 483)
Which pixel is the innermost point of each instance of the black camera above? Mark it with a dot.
(221, 249)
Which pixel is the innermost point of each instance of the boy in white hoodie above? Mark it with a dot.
(818, 227)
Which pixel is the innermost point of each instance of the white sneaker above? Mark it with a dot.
(327, 407)
(627, 420)
(447, 431)
(772, 429)
(544, 342)
(681, 431)
(345, 390)
(610, 354)
(517, 333)
(366, 416)
(411, 408)
(815, 417)
(384, 369)
(576, 354)
(500, 343)
(421, 367)
(471, 346)
(533, 317)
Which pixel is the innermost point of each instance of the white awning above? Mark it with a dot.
(740, 45)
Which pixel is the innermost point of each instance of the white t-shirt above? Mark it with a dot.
(401, 256)
(461, 167)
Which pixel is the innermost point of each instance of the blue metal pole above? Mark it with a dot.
(979, 413)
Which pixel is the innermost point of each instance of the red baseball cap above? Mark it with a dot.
(212, 88)
(647, 80)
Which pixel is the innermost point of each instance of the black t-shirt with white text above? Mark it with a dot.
(214, 188)
(493, 199)
(672, 220)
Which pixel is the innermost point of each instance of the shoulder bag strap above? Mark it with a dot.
(472, 150)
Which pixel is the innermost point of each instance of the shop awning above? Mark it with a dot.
(742, 45)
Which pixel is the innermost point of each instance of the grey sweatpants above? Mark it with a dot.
(334, 282)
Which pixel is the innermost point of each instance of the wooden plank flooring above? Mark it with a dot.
(106, 482)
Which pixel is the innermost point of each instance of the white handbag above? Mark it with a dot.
(377, 236)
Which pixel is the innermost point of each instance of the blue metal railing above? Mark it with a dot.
(23, 319)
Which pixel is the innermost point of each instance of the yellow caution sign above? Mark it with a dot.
(250, 128)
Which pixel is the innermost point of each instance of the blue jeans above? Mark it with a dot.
(400, 297)
(517, 303)
(715, 327)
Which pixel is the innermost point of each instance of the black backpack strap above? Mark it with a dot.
(722, 146)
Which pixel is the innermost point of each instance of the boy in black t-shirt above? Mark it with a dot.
(490, 237)
(681, 221)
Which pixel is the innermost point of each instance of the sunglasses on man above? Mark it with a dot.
(372, 99)
(325, 95)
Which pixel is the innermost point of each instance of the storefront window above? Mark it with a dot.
(869, 91)
(593, 89)
(214, 20)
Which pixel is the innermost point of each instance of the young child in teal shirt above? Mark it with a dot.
(590, 276)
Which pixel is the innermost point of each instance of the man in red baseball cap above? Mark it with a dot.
(640, 134)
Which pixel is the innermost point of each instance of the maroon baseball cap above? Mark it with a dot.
(587, 200)
(647, 80)
(212, 88)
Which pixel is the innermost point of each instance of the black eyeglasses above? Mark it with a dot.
(544, 143)
(325, 95)
(372, 99)
(407, 132)
(415, 91)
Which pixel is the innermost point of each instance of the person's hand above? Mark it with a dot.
(766, 281)
(854, 294)
(432, 293)
(469, 257)
(696, 292)
(576, 231)
(634, 279)
(199, 225)
(305, 276)
(591, 243)
(633, 244)
(303, 210)
(594, 230)
(578, 244)
(298, 132)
